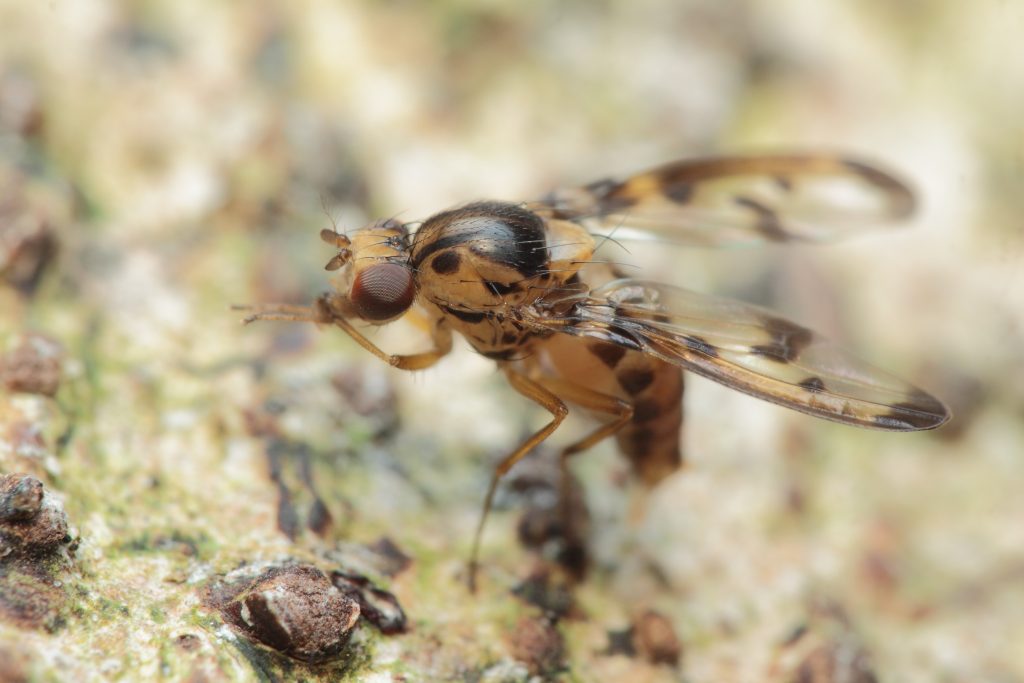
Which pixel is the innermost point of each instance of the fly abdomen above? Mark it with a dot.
(651, 439)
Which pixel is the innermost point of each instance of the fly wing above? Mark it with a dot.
(747, 348)
(743, 199)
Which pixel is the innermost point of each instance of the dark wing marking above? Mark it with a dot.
(729, 200)
(746, 348)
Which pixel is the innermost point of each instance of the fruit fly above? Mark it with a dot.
(520, 281)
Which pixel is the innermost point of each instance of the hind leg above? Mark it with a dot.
(621, 412)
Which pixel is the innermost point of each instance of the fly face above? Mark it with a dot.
(380, 285)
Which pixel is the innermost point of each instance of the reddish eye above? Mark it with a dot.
(383, 291)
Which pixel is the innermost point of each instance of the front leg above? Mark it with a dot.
(441, 335)
(329, 309)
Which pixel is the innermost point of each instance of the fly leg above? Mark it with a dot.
(442, 338)
(621, 412)
(537, 393)
(324, 312)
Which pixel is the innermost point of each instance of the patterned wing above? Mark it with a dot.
(747, 348)
(744, 199)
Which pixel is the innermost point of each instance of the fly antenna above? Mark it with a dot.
(333, 236)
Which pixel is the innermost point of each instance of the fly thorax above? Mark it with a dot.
(481, 257)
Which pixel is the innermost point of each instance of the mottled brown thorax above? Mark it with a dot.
(479, 262)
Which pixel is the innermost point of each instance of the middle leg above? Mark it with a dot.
(550, 392)
(535, 392)
(621, 412)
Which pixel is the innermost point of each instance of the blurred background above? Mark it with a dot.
(160, 161)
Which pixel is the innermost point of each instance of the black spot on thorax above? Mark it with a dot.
(464, 316)
(446, 262)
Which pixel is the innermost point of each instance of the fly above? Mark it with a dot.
(519, 281)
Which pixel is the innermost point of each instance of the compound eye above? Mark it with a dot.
(382, 292)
